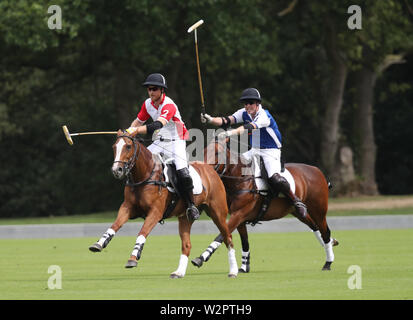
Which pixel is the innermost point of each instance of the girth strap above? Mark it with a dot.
(170, 208)
(263, 210)
(161, 184)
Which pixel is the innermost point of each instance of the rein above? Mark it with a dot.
(131, 163)
(129, 178)
(240, 179)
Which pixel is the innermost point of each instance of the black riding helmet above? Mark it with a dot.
(250, 94)
(155, 79)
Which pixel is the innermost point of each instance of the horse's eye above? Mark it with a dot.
(128, 147)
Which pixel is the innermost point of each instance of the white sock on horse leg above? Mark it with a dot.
(210, 250)
(140, 241)
(318, 237)
(183, 264)
(329, 251)
(109, 233)
(233, 267)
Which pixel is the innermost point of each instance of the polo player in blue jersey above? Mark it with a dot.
(265, 140)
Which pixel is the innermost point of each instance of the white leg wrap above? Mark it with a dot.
(140, 241)
(210, 250)
(233, 267)
(183, 264)
(317, 234)
(329, 251)
(109, 233)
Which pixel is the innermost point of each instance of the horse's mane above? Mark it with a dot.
(231, 154)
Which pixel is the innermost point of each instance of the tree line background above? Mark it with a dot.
(342, 98)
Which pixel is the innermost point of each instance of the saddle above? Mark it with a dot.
(264, 188)
(261, 176)
(169, 171)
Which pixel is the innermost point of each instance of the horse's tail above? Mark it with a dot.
(329, 184)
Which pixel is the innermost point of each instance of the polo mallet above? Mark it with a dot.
(193, 28)
(70, 135)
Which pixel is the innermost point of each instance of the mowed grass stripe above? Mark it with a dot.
(283, 266)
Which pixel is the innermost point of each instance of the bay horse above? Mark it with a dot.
(245, 202)
(146, 195)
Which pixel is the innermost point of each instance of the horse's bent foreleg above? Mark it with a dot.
(204, 257)
(184, 233)
(214, 245)
(123, 216)
(150, 222)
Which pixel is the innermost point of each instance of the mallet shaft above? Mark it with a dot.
(69, 135)
(193, 28)
(199, 77)
(96, 132)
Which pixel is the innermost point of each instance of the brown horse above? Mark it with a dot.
(246, 202)
(146, 195)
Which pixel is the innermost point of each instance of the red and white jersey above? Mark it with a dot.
(175, 128)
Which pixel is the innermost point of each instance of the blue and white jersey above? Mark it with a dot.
(267, 136)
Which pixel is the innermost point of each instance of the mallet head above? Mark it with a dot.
(67, 135)
(195, 25)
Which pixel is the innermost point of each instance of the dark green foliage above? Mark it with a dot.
(88, 76)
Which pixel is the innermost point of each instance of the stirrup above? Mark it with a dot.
(300, 208)
(192, 213)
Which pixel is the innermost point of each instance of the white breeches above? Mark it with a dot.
(171, 149)
(271, 158)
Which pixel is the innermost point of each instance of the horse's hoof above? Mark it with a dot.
(335, 242)
(232, 275)
(197, 262)
(95, 247)
(131, 264)
(327, 266)
(175, 275)
(243, 270)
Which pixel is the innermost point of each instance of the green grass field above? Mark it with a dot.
(284, 266)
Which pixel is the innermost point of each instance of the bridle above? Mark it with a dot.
(128, 165)
(228, 175)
